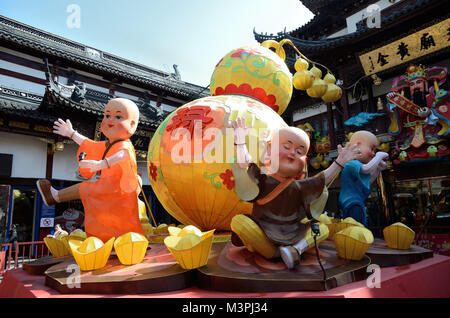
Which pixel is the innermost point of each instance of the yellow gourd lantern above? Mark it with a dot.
(189, 246)
(353, 242)
(399, 236)
(318, 88)
(91, 254)
(329, 78)
(316, 72)
(332, 94)
(301, 64)
(192, 176)
(254, 71)
(131, 248)
(303, 79)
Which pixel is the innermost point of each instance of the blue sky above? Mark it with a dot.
(194, 34)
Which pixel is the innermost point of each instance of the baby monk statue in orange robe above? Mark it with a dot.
(110, 203)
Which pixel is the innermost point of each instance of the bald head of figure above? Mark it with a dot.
(120, 120)
(367, 143)
(289, 147)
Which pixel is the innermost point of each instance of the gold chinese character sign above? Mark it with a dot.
(423, 42)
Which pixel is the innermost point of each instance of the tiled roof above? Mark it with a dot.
(315, 46)
(30, 106)
(22, 104)
(95, 107)
(51, 45)
(314, 4)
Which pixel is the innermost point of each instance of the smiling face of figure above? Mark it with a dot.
(293, 146)
(367, 143)
(120, 120)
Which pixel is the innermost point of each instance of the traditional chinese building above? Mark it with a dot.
(369, 45)
(44, 77)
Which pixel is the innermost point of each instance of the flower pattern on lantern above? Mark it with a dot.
(228, 179)
(187, 117)
(245, 89)
(153, 171)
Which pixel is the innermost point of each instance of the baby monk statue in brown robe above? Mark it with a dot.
(280, 201)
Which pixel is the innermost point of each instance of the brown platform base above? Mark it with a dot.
(234, 269)
(384, 256)
(158, 272)
(39, 266)
(229, 269)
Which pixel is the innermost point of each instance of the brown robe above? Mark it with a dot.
(280, 218)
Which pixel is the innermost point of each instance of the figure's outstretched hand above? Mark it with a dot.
(348, 153)
(63, 128)
(240, 130)
(390, 94)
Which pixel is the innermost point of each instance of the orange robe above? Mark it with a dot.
(111, 203)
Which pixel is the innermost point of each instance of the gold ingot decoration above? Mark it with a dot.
(91, 254)
(145, 222)
(318, 88)
(57, 246)
(347, 222)
(328, 221)
(316, 72)
(161, 229)
(182, 231)
(131, 248)
(190, 249)
(78, 236)
(399, 236)
(301, 64)
(332, 94)
(332, 226)
(353, 242)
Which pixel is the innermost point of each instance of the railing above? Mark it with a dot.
(23, 252)
(5, 257)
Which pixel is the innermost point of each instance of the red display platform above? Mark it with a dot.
(426, 279)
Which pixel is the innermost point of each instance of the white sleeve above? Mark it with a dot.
(375, 165)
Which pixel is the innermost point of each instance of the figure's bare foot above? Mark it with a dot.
(290, 256)
(44, 187)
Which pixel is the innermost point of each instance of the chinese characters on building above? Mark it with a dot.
(415, 45)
